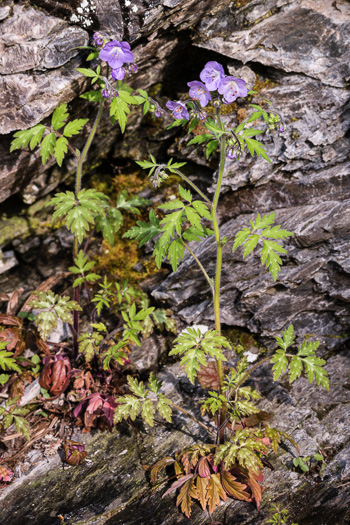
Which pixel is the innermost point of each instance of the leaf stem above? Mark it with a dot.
(193, 418)
(193, 186)
(78, 178)
(210, 281)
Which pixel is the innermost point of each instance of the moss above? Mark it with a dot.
(265, 83)
(242, 341)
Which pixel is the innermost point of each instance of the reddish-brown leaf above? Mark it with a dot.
(202, 489)
(58, 378)
(234, 488)
(43, 347)
(255, 487)
(203, 468)
(13, 300)
(11, 320)
(177, 484)
(187, 492)
(157, 467)
(11, 336)
(208, 376)
(215, 492)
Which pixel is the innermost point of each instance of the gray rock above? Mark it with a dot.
(7, 261)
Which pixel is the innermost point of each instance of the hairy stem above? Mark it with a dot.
(200, 266)
(78, 178)
(193, 186)
(219, 248)
(193, 418)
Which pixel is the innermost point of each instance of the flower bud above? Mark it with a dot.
(106, 93)
(216, 103)
(98, 38)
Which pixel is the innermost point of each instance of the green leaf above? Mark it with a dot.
(270, 257)
(195, 348)
(128, 406)
(255, 146)
(47, 146)
(61, 149)
(250, 245)
(92, 55)
(185, 194)
(93, 96)
(132, 204)
(240, 238)
(287, 339)
(22, 426)
(171, 223)
(23, 138)
(55, 307)
(200, 139)
(59, 116)
(7, 362)
(281, 364)
(163, 320)
(109, 224)
(87, 72)
(211, 147)
(254, 116)
(120, 110)
(176, 253)
(143, 231)
(252, 132)
(148, 412)
(74, 127)
(163, 407)
(314, 370)
(193, 217)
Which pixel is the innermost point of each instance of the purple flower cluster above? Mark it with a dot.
(212, 79)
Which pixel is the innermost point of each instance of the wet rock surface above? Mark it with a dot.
(296, 53)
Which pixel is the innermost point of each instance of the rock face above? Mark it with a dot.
(296, 53)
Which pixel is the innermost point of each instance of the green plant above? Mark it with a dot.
(280, 516)
(232, 465)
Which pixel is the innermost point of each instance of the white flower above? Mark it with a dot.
(134, 8)
(127, 3)
(251, 358)
(201, 327)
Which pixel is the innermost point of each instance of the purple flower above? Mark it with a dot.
(198, 91)
(98, 38)
(232, 88)
(281, 129)
(118, 74)
(212, 75)
(178, 110)
(116, 54)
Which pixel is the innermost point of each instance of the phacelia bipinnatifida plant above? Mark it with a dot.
(230, 464)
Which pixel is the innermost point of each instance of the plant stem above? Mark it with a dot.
(78, 178)
(193, 418)
(193, 186)
(200, 266)
(219, 248)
